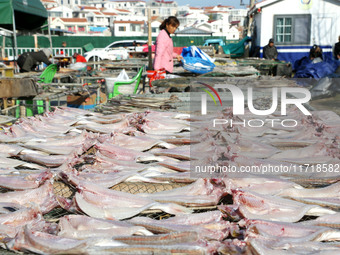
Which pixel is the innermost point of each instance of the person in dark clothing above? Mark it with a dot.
(28, 61)
(336, 50)
(315, 54)
(270, 51)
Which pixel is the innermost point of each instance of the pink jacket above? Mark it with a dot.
(164, 52)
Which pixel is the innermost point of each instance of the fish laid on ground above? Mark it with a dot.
(104, 203)
(280, 232)
(200, 193)
(20, 182)
(42, 196)
(265, 207)
(83, 227)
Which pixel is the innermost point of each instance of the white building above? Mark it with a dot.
(97, 19)
(163, 8)
(238, 15)
(49, 3)
(129, 28)
(296, 25)
(192, 19)
(61, 12)
(82, 11)
(78, 26)
(70, 3)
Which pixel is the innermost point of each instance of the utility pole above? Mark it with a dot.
(250, 21)
(149, 39)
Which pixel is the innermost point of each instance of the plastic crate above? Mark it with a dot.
(197, 65)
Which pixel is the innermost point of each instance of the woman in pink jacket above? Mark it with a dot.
(164, 46)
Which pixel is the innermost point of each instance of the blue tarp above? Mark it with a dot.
(305, 68)
(98, 29)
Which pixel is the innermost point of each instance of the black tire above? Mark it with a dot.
(91, 59)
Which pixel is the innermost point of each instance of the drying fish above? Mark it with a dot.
(8, 150)
(256, 206)
(181, 152)
(48, 161)
(11, 223)
(162, 239)
(30, 181)
(269, 248)
(111, 204)
(181, 166)
(43, 196)
(139, 143)
(208, 231)
(280, 232)
(330, 191)
(44, 243)
(331, 220)
(10, 163)
(119, 153)
(260, 185)
(9, 207)
(83, 227)
(201, 193)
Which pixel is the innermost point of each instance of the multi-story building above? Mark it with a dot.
(238, 15)
(129, 28)
(78, 26)
(71, 3)
(49, 3)
(162, 8)
(60, 12)
(192, 19)
(81, 11)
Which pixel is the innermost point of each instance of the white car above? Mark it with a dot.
(116, 50)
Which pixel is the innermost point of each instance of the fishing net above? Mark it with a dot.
(141, 187)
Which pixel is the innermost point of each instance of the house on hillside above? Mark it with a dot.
(295, 25)
(163, 8)
(49, 3)
(60, 11)
(129, 28)
(78, 26)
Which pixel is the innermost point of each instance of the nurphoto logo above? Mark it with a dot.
(239, 104)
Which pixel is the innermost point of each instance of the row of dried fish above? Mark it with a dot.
(93, 152)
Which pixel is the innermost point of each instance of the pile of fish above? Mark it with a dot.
(137, 103)
(245, 213)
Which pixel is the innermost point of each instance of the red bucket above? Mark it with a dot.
(155, 75)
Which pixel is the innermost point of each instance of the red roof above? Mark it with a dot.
(121, 10)
(110, 13)
(128, 22)
(88, 8)
(49, 1)
(98, 13)
(164, 2)
(216, 12)
(74, 20)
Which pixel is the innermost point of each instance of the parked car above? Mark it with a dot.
(116, 50)
(215, 43)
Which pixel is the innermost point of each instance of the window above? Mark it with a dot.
(154, 30)
(153, 12)
(292, 29)
(81, 29)
(135, 28)
(121, 29)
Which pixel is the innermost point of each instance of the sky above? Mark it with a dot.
(200, 3)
